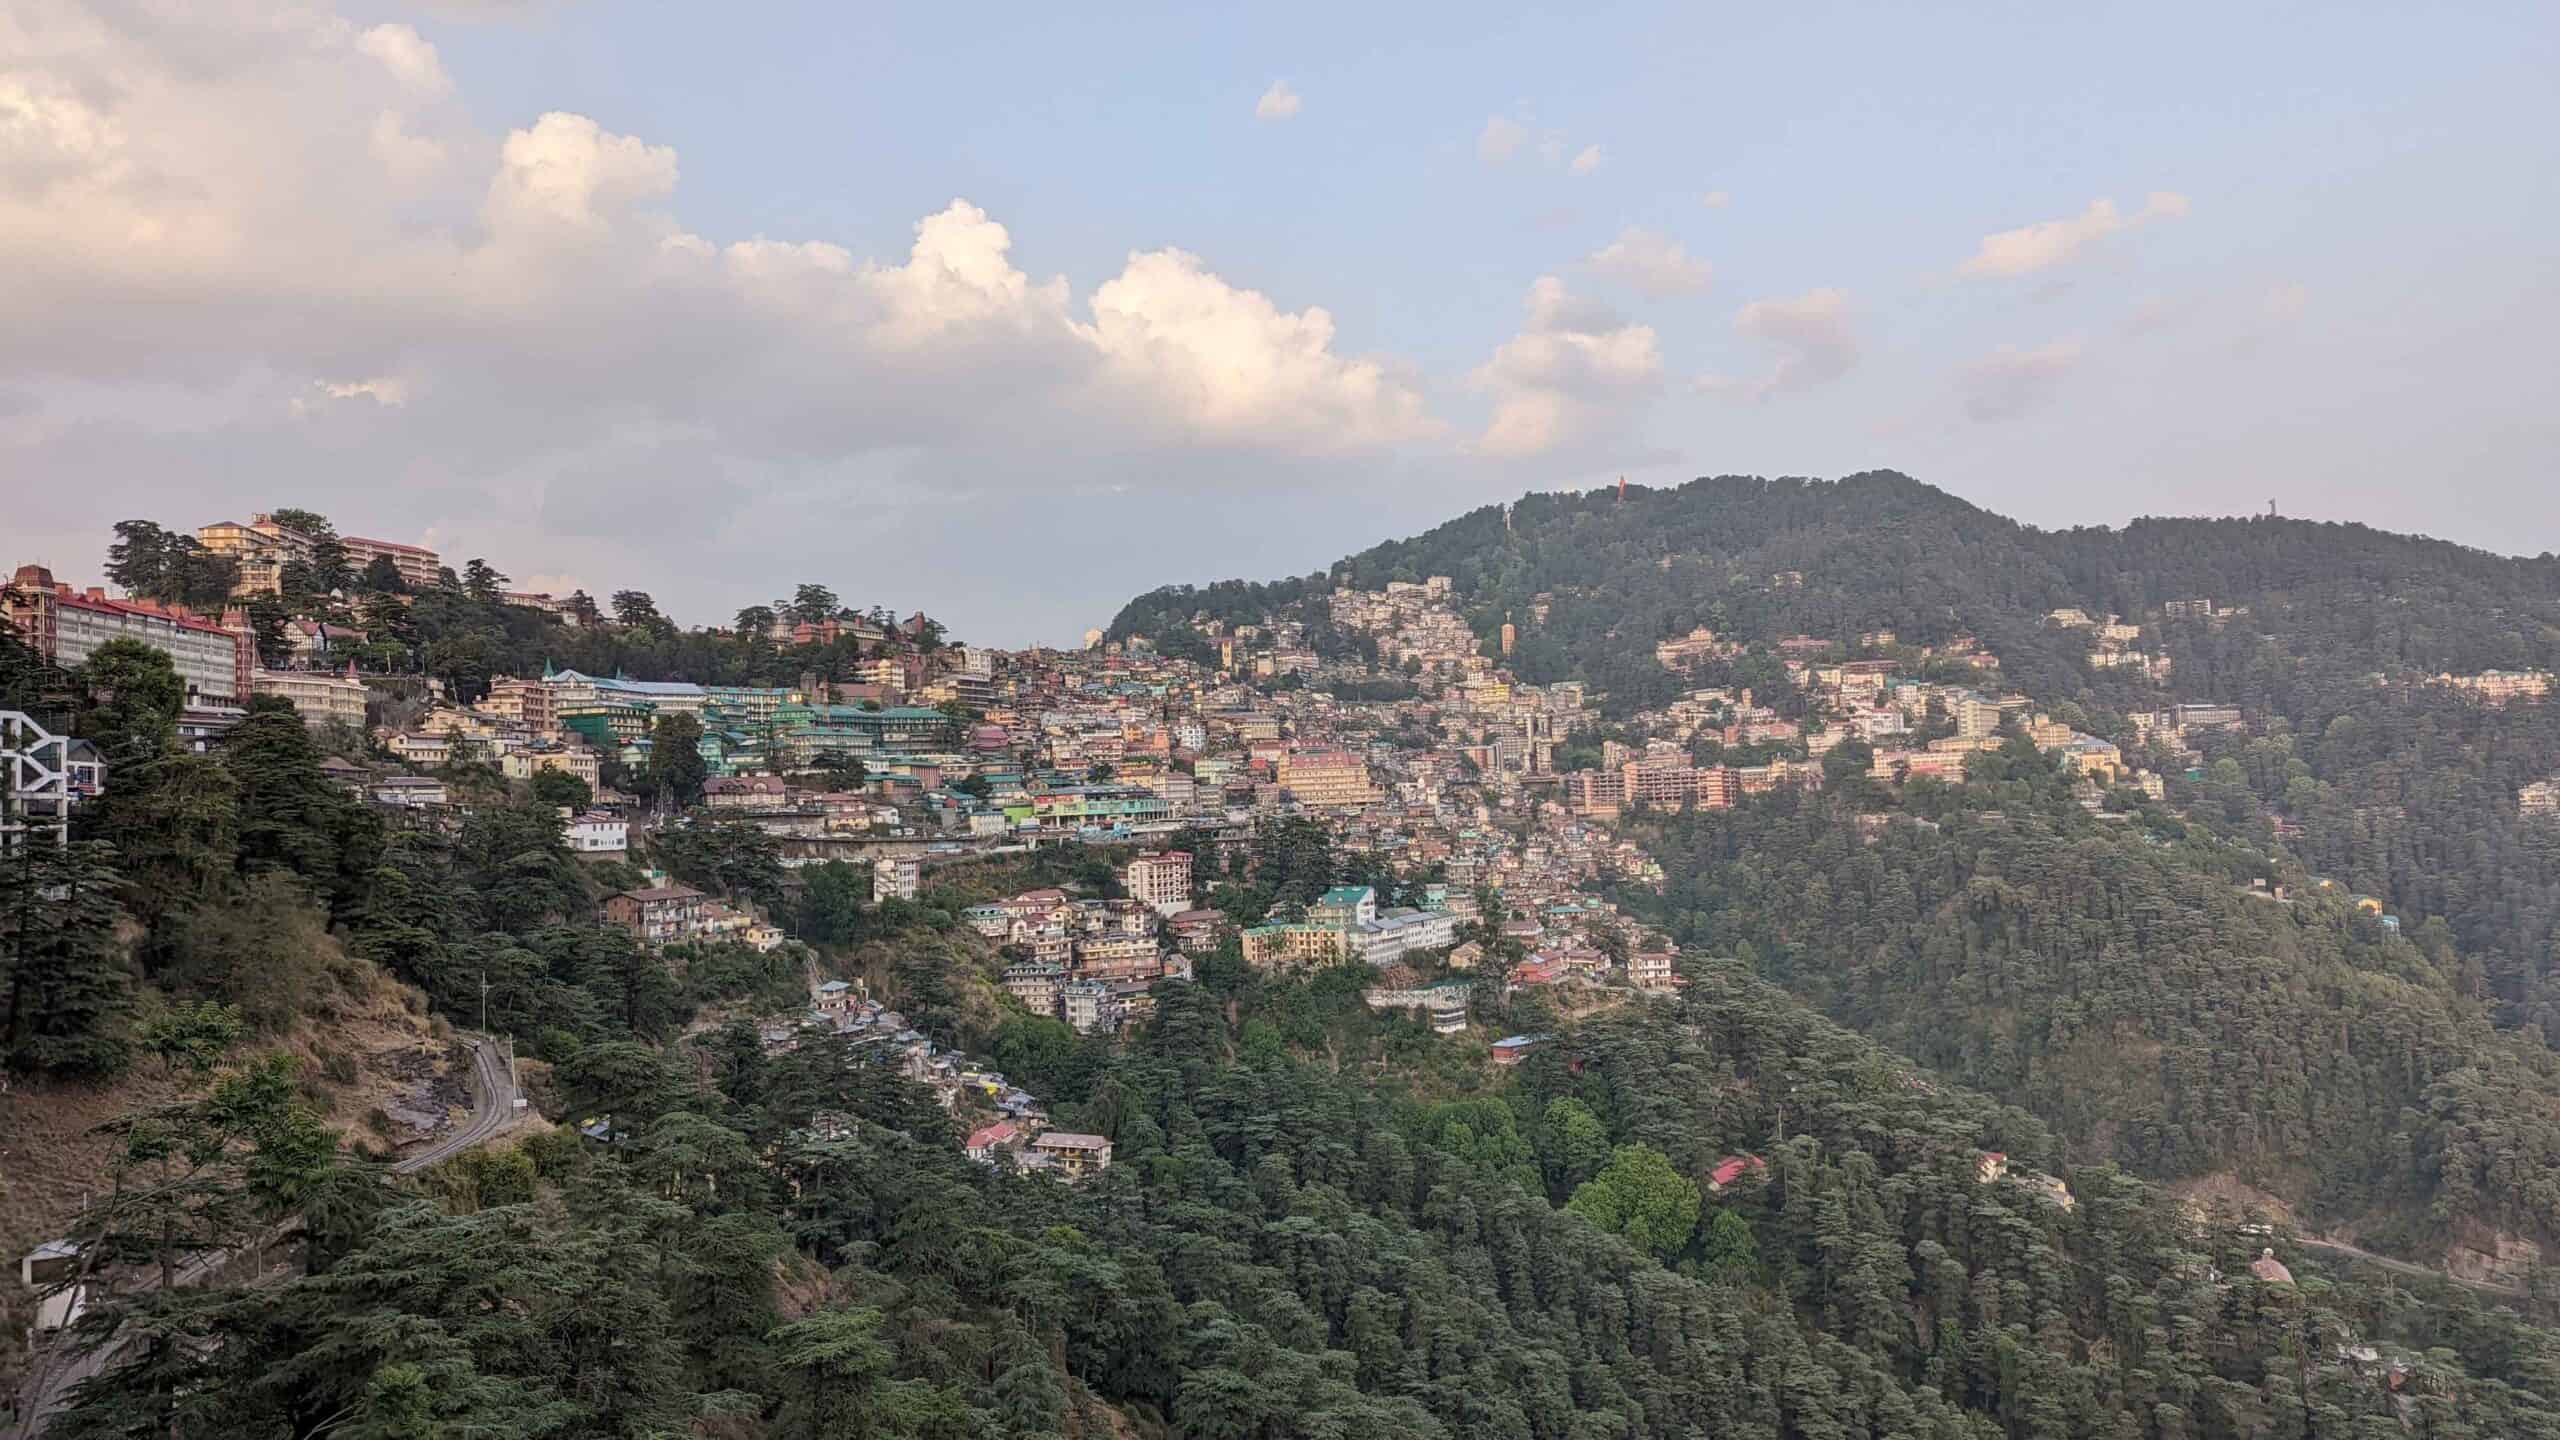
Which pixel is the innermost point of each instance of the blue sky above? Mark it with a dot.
(2325, 278)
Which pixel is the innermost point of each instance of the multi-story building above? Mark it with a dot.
(1322, 776)
(527, 702)
(1651, 970)
(746, 792)
(1275, 946)
(896, 877)
(2540, 797)
(575, 760)
(1089, 1006)
(1037, 984)
(660, 915)
(1344, 907)
(1161, 880)
(2500, 686)
(323, 697)
(67, 626)
(1076, 1155)
(596, 833)
(262, 548)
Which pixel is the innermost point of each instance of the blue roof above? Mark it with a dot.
(1346, 895)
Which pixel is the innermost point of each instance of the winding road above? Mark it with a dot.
(59, 1368)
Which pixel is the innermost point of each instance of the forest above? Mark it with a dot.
(1895, 1161)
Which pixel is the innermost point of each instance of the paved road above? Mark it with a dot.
(58, 1368)
(2405, 1267)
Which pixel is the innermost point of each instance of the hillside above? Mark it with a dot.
(2114, 981)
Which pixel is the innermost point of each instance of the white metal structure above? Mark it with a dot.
(35, 764)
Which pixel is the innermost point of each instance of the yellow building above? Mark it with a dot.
(1322, 776)
(325, 697)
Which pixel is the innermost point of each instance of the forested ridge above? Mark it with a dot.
(1948, 1061)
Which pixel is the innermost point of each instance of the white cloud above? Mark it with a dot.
(1715, 199)
(1813, 331)
(382, 389)
(2048, 243)
(2013, 382)
(2285, 301)
(1652, 262)
(1586, 161)
(1500, 140)
(1277, 103)
(1574, 377)
(409, 58)
(284, 195)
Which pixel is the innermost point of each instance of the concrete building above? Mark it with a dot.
(1276, 946)
(596, 833)
(324, 697)
(262, 548)
(660, 915)
(1161, 881)
(1076, 1155)
(896, 877)
(67, 626)
(1324, 777)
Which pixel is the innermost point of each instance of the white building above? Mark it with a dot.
(596, 833)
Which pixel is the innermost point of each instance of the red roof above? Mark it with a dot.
(986, 1135)
(1731, 1168)
(96, 599)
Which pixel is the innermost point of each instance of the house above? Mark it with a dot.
(1731, 1169)
(1467, 956)
(1512, 1049)
(746, 792)
(1076, 1155)
(597, 833)
(987, 1141)
(1651, 970)
(417, 748)
(660, 915)
(1195, 932)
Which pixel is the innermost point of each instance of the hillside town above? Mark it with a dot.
(1477, 823)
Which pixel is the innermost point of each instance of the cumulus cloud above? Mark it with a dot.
(409, 58)
(1277, 103)
(295, 196)
(2048, 243)
(1652, 262)
(1575, 376)
(2013, 382)
(1814, 332)
(332, 285)
(1500, 140)
(1586, 160)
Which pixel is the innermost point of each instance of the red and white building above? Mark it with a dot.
(67, 626)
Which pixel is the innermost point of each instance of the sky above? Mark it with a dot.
(1012, 314)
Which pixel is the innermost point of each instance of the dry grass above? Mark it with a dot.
(370, 1042)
